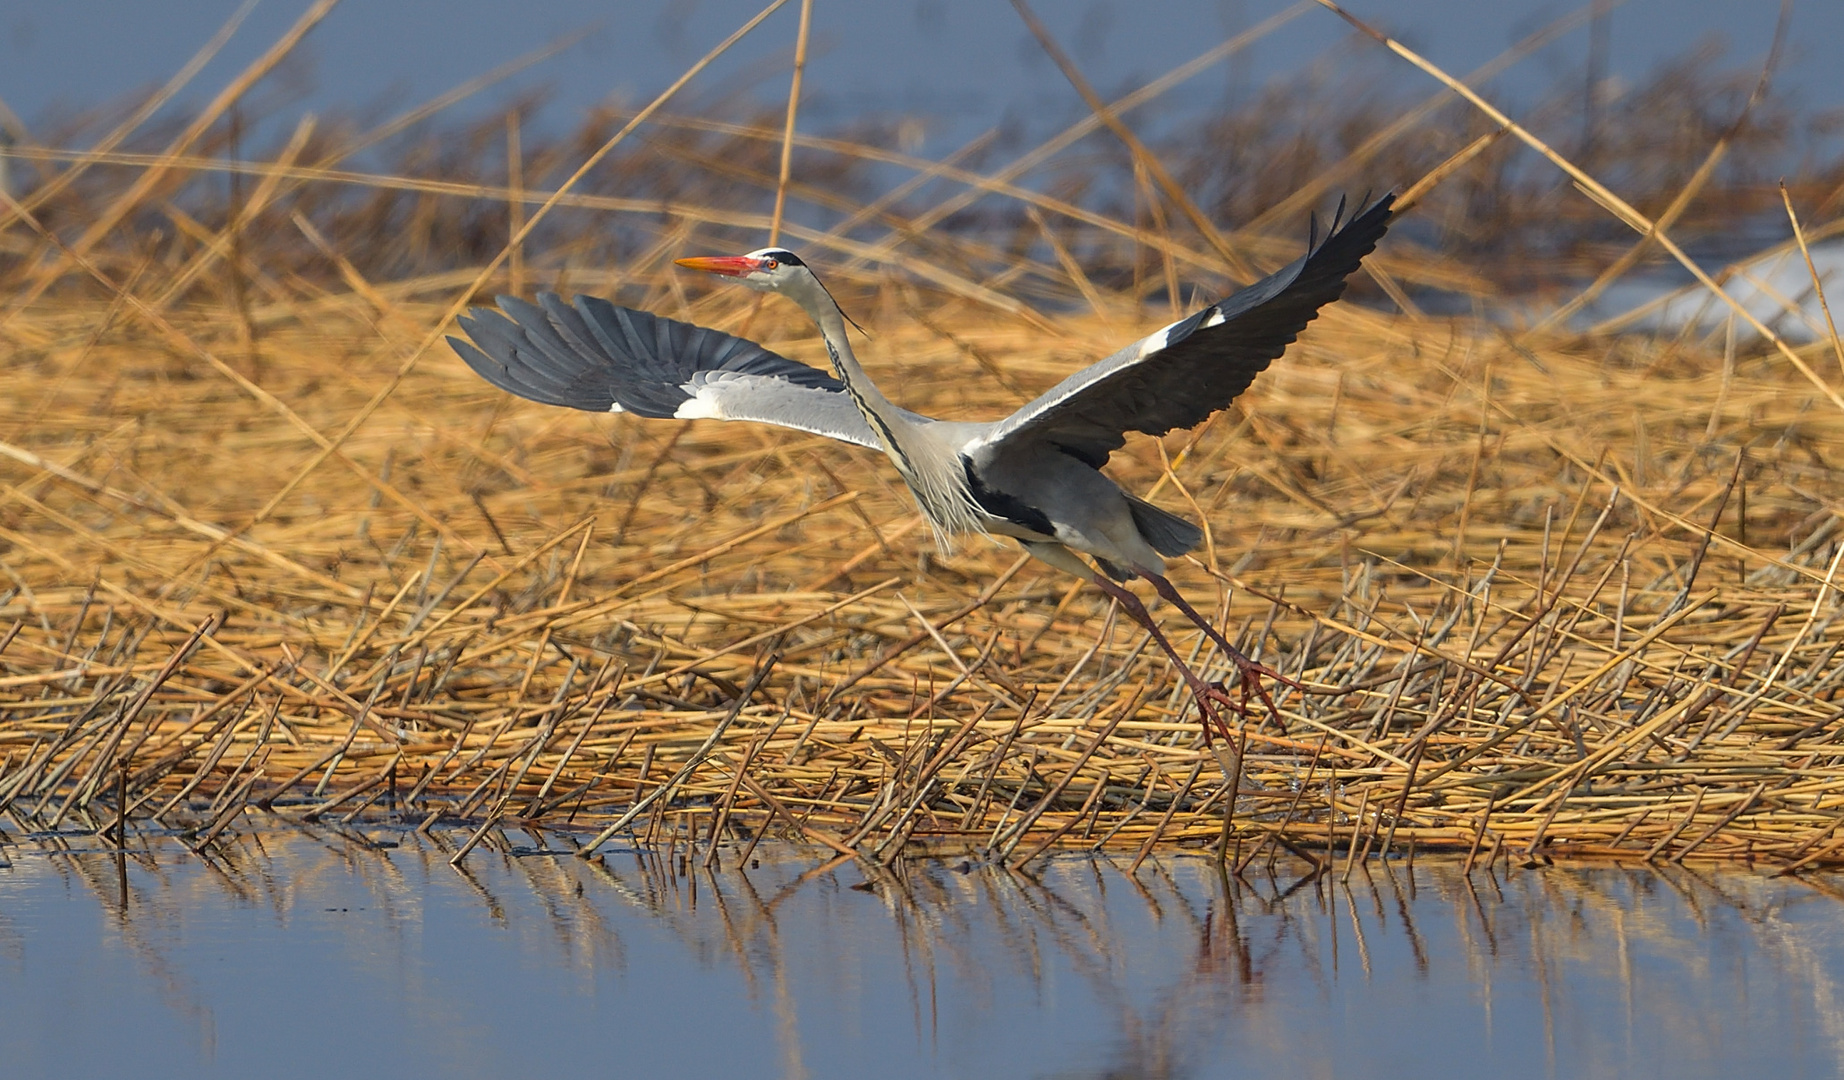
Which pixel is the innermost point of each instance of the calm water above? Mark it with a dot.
(324, 954)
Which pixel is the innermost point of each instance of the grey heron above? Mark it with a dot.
(1034, 476)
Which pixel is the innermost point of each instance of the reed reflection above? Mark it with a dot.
(1073, 968)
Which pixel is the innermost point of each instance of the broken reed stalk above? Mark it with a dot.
(665, 790)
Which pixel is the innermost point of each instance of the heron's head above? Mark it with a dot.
(771, 269)
(776, 270)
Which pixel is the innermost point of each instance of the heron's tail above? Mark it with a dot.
(1168, 533)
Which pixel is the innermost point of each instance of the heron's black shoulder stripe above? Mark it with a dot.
(1003, 505)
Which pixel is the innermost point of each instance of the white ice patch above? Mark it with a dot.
(1775, 287)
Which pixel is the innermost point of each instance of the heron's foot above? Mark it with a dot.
(1211, 699)
(1253, 689)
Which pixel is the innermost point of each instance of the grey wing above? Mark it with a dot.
(596, 356)
(1177, 377)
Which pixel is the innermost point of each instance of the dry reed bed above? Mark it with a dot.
(265, 556)
(1491, 563)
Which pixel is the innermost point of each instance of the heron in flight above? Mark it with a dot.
(1034, 476)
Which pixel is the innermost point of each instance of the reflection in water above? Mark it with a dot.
(327, 953)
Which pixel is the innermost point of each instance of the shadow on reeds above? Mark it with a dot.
(317, 950)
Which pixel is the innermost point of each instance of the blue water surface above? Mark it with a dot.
(307, 953)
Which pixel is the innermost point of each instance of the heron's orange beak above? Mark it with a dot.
(722, 265)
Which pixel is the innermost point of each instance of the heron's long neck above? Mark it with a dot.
(932, 470)
(878, 410)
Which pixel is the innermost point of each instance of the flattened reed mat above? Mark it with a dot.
(1564, 599)
(269, 550)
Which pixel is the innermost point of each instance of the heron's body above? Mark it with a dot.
(1034, 476)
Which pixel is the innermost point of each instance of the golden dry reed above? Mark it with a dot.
(269, 554)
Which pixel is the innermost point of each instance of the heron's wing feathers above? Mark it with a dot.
(593, 355)
(1177, 377)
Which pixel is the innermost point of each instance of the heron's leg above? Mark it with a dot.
(1208, 697)
(1205, 694)
(1251, 671)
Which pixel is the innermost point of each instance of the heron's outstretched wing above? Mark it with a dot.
(1183, 373)
(593, 355)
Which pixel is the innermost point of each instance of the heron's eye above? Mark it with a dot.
(769, 264)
